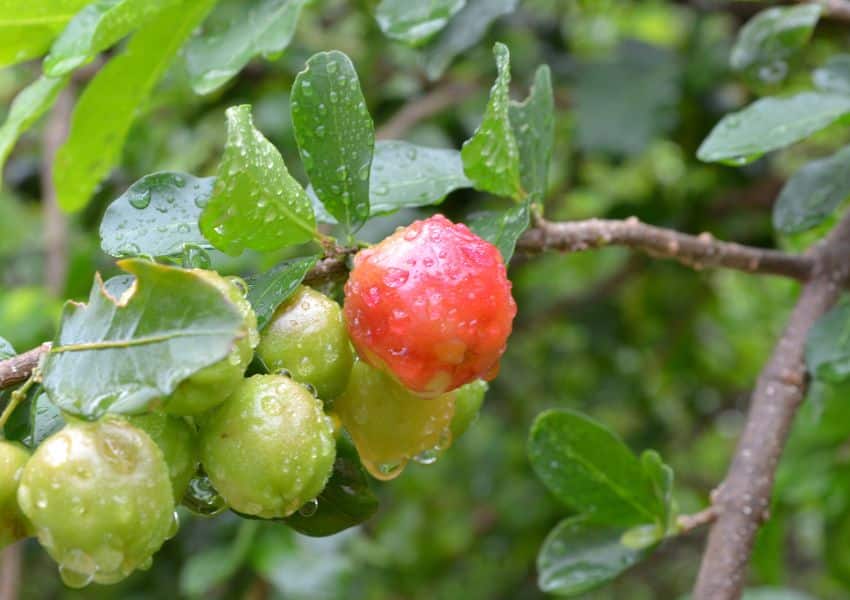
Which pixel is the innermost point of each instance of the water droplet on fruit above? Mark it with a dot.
(395, 277)
(427, 457)
(74, 579)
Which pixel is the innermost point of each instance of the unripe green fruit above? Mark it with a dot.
(13, 524)
(307, 337)
(269, 448)
(179, 444)
(468, 401)
(99, 498)
(390, 425)
(214, 384)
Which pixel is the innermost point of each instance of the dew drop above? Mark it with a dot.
(309, 508)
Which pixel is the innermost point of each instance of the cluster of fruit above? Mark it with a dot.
(428, 311)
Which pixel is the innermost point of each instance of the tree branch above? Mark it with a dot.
(694, 251)
(742, 500)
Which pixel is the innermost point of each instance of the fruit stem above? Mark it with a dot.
(18, 396)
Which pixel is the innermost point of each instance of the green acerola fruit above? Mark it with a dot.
(307, 337)
(214, 384)
(99, 498)
(13, 524)
(269, 448)
(179, 444)
(468, 401)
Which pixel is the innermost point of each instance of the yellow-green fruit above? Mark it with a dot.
(307, 337)
(13, 524)
(179, 444)
(99, 498)
(468, 401)
(390, 425)
(269, 448)
(214, 384)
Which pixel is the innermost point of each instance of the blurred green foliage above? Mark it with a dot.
(663, 355)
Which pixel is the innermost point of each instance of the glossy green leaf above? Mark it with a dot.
(828, 344)
(502, 228)
(97, 27)
(255, 203)
(137, 348)
(27, 27)
(533, 125)
(30, 103)
(112, 100)
(769, 124)
(660, 477)
(491, 155)
(414, 22)
(345, 502)
(813, 193)
(45, 420)
(156, 216)
(771, 37)
(264, 27)
(464, 31)
(267, 291)
(834, 76)
(579, 555)
(591, 470)
(335, 135)
(6, 349)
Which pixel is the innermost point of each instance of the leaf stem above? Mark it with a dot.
(18, 396)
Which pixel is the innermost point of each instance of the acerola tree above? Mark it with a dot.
(178, 387)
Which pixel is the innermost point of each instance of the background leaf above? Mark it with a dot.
(579, 555)
(212, 566)
(156, 216)
(28, 27)
(6, 349)
(589, 469)
(491, 156)
(267, 291)
(264, 27)
(335, 135)
(135, 352)
(255, 203)
(828, 344)
(769, 124)
(502, 228)
(813, 193)
(414, 22)
(533, 125)
(834, 76)
(111, 101)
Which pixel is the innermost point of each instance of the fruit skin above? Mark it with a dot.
(390, 424)
(13, 524)
(99, 498)
(432, 305)
(269, 448)
(307, 337)
(179, 444)
(213, 384)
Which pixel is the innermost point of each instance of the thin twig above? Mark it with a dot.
(419, 109)
(743, 498)
(687, 523)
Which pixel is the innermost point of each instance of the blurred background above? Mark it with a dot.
(663, 355)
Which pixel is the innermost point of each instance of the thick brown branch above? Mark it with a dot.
(695, 251)
(17, 369)
(742, 500)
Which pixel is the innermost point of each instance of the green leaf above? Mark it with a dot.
(771, 37)
(834, 76)
(210, 567)
(30, 103)
(112, 100)
(414, 22)
(255, 203)
(97, 27)
(769, 124)
(156, 216)
(591, 470)
(136, 349)
(828, 344)
(264, 27)
(533, 125)
(6, 349)
(45, 420)
(267, 291)
(660, 477)
(491, 155)
(27, 27)
(813, 193)
(502, 228)
(335, 135)
(579, 555)
(345, 502)
(463, 32)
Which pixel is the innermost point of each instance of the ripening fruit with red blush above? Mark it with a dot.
(432, 305)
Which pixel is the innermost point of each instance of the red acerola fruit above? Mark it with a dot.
(432, 305)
